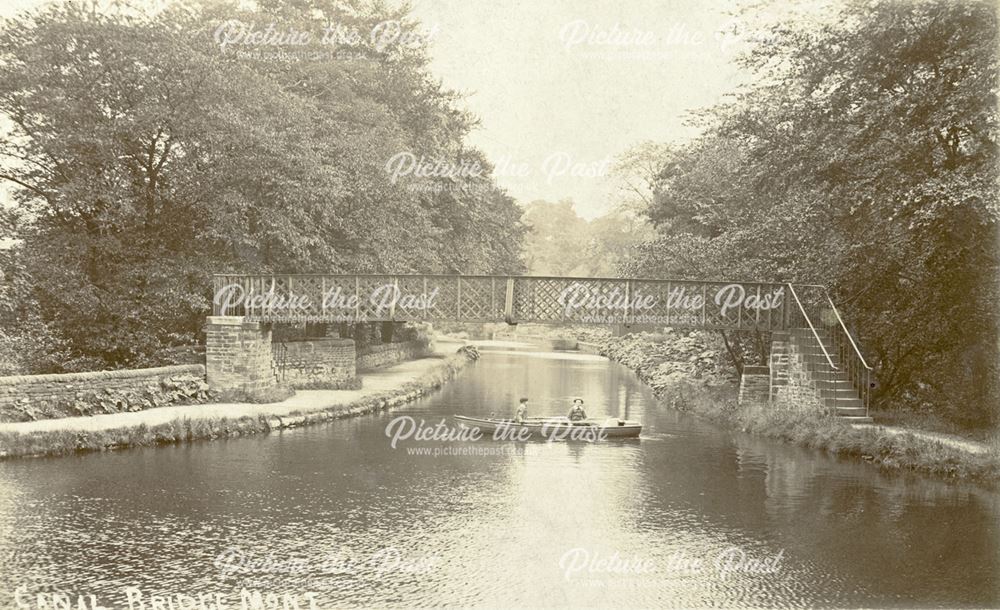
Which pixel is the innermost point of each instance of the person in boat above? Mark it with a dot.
(577, 413)
(522, 411)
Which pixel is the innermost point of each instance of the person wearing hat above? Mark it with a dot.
(522, 411)
(577, 413)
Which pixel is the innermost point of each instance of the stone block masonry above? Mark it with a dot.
(375, 356)
(786, 384)
(238, 354)
(792, 386)
(183, 424)
(804, 376)
(755, 385)
(34, 397)
(326, 361)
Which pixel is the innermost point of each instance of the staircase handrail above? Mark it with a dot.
(861, 377)
(850, 337)
(811, 327)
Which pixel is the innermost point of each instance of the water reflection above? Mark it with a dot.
(552, 524)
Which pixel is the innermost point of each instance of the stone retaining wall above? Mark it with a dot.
(375, 356)
(239, 355)
(33, 397)
(56, 442)
(323, 361)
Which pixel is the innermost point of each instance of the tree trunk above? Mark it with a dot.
(735, 358)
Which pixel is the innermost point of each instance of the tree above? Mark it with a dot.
(148, 157)
(557, 237)
(862, 156)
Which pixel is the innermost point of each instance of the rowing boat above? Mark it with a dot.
(554, 428)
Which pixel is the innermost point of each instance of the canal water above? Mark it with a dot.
(688, 515)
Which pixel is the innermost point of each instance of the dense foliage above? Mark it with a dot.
(863, 156)
(148, 156)
(560, 242)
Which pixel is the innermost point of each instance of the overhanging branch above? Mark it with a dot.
(30, 187)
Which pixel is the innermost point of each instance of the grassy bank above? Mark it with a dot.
(717, 402)
(62, 442)
(917, 420)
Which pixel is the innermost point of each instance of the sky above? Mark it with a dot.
(563, 87)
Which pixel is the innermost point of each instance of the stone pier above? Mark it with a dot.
(805, 375)
(238, 354)
(755, 386)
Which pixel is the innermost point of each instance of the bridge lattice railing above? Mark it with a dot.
(559, 300)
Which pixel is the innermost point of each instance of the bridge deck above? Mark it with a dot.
(567, 300)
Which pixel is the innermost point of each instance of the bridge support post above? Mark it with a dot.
(238, 354)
